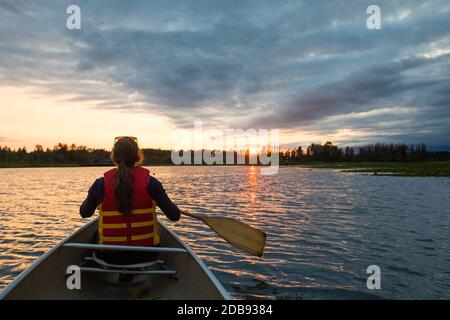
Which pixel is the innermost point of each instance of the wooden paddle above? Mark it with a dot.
(237, 233)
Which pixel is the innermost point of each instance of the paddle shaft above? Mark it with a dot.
(193, 215)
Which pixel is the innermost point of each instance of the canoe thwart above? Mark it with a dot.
(98, 270)
(123, 248)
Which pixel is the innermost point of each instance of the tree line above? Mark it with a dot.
(379, 152)
(73, 155)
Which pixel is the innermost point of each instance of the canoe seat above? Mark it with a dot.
(141, 265)
(154, 267)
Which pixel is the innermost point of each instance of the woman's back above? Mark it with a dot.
(126, 197)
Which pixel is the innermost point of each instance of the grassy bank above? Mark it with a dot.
(407, 169)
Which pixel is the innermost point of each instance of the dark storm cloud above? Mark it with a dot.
(366, 88)
(286, 64)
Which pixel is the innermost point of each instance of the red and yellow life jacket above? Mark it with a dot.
(140, 228)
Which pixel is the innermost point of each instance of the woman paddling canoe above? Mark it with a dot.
(126, 197)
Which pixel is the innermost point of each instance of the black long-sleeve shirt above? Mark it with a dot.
(155, 189)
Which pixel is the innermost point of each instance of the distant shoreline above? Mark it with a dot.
(404, 169)
(379, 158)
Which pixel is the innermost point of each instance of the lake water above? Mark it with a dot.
(324, 227)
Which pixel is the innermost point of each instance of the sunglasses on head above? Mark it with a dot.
(125, 137)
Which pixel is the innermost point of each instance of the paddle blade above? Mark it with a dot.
(238, 234)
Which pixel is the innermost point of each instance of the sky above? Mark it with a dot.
(311, 69)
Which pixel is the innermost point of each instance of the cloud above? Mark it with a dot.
(290, 65)
(383, 84)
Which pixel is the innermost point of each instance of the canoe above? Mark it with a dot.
(182, 275)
